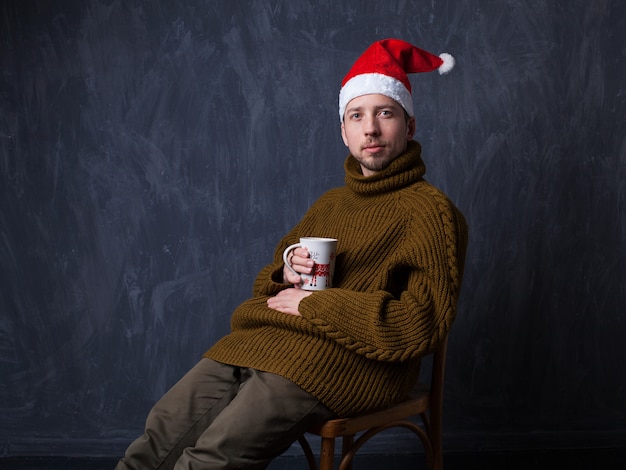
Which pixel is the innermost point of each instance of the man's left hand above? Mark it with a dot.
(288, 300)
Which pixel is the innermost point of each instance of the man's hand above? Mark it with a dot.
(301, 263)
(288, 300)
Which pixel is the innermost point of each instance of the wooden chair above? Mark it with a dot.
(425, 402)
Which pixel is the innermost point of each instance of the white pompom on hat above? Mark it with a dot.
(383, 68)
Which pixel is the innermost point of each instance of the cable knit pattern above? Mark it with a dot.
(398, 273)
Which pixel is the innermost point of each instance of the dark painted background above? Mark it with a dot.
(153, 152)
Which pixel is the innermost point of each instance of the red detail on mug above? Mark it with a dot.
(321, 270)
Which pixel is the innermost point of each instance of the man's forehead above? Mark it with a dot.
(372, 100)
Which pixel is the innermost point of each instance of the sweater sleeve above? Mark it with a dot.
(269, 281)
(403, 325)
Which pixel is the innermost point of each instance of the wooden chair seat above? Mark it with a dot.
(425, 404)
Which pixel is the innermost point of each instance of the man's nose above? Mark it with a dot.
(370, 125)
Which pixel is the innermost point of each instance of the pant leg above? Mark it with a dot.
(181, 415)
(265, 417)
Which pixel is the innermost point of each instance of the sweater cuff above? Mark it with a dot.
(269, 281)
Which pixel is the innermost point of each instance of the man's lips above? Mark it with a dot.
(375, 148)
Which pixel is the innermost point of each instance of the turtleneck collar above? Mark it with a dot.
(406, 169)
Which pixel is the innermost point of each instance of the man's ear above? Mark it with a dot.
(343, 134)
(410, 127)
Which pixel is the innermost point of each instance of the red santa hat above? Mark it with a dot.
(382, 69)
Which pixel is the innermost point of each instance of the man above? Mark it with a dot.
(295, 358)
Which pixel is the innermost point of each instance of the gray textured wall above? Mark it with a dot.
(153, 152)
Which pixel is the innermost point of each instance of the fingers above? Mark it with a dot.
(287, 301)
(291, 278)
(301, 262)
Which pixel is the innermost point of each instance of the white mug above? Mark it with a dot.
(323, 252)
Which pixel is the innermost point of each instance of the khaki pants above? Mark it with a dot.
(219, 416)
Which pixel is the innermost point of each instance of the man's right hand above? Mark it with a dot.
(301, 263)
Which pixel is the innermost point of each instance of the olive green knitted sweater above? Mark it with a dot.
(399, 263)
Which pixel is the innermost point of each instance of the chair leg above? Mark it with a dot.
(437, 448)
(437, 462)
(327, 455)
(347, 442)
(308, 452)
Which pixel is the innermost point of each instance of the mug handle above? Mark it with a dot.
(286, 253)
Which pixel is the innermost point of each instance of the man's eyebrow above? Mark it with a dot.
(376, 108)
(353, 109)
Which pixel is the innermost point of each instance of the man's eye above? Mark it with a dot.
(355, 116)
